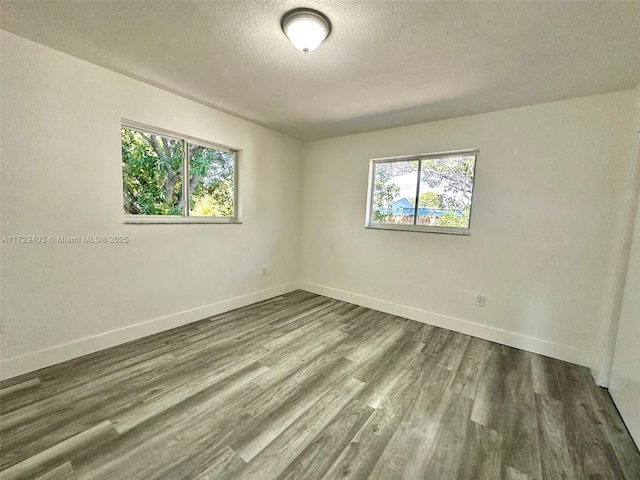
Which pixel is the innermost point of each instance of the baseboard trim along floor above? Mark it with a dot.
(15, 366)
(559, 351)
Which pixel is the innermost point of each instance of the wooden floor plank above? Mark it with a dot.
(279, 453)
(280, 411)
(61, 472)
(615, 430)
(505, 402)
(519, 427)
(224, 463)
(510, 473)
(437, 341)
(18, 388)
(491, 394)
(180, 436)
(451, 355)
(134, 417)
(555, 459)
(314, 461)
(31, 466)
(443, 461)
(588, 445)
(359, 457)
(482, 453)
(382, 376)
(414, 440)
(471, 365)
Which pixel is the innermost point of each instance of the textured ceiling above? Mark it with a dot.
(385, 63)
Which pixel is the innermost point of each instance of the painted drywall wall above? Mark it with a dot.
(637, 107)
(547, 216)
(625, 374)
(61, 175)
(624, 384)
(609, 327)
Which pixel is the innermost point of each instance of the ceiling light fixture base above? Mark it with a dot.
(306, 28)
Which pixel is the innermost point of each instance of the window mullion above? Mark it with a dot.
(415, 214)
(185, 180)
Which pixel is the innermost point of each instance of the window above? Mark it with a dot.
(427, 193)
(168, 178)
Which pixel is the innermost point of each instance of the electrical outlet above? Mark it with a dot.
(265, 270)
(480, 300)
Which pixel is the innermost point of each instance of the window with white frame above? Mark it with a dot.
(427, 193)
(173, 178)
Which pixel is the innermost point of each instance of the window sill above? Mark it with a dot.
(175, 219)
(421, 229)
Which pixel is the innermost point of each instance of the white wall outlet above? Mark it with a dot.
(480, 300)
(265, 270)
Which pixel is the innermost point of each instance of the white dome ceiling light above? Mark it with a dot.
(306, 28)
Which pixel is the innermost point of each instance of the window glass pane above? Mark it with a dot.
(446, 185)
(394, 188)
(210, 181)
(151, 173)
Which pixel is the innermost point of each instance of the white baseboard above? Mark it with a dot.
(12, 367)
(568, 353)
(15, 366)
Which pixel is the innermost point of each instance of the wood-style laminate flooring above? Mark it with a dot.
(306, 387)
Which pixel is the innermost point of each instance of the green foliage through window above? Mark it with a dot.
(152, 176)
(443, 186)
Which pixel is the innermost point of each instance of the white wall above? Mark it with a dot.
(547, 218)
(61, 175)
(625, 374)
(631, 189)
(637, 108)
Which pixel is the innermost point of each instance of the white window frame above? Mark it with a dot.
(418, 228)
(185, 217)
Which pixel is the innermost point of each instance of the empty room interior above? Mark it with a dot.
(279, 239)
